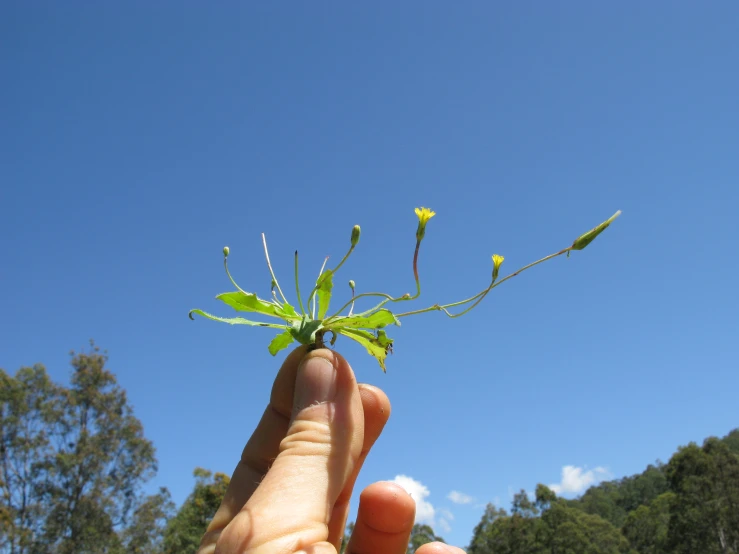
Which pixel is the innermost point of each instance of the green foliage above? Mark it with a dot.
(614, 500)
(73, 460)
(421, 534)
(184, 531)
(704, 516)
(309, 327)
(280, 342)
(548, 525)
(646, 527)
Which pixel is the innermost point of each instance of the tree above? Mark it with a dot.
(548, 525)
(613, 500)
(421, 534)
(732, 441)
(568, 530)
(646, 527)
(184, 531)
(144, 534)
(25, 412)
(500, 533)
(73, 461)
(704, 516)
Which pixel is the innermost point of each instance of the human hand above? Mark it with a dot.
(290, 492)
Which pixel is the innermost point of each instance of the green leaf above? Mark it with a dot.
(280, 342)
(235, 320)
(377, 346)
(379, 319)
(324, 286)
(251, 303)
(289, 311)
(305, 330)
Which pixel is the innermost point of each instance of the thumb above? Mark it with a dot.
(291, 508)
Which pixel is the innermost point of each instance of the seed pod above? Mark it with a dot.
(583, 240)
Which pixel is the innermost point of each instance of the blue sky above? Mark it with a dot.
(138, 140)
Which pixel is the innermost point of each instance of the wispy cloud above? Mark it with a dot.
(576, 479)
(460, 497)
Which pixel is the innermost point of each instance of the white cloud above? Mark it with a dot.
(575, 479)
(425, 512)
(459, 497)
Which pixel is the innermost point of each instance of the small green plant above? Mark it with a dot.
(310, 326)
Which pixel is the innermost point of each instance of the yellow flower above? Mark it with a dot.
(424, 214)
(497, 262)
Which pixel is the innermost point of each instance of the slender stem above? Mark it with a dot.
(387, 297)
(381, 304)
(313, 311)
(351, 308)
(415, 271)
(225, 264)
(345, 258)
(297, 285)
(271, 272)
(479, 296)
(276, 300)
(334, 270)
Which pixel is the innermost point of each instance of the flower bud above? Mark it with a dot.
(583, 240)
(225, 251)
(355, 235)
(352, 284)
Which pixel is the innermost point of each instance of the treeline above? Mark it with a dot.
(73, 462)
(689, 505)
(74, 459)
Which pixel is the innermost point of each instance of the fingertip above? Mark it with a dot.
(384, 519)
(386, 507)
(376, 403)
(439, 548)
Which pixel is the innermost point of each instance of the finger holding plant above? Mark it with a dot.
(310, 326)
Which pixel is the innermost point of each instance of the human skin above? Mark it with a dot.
(290, 491)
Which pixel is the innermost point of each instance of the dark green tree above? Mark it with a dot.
(547, 525)
(144, 534)
(73, 461)
(500, 533)
(613, 500)
(184, 531)
(482, 539)
(646, 527)
(421, 534)
(732, 441)
(704, 516)
(26, 410)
